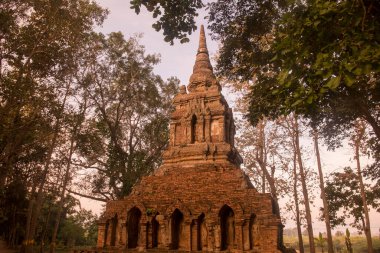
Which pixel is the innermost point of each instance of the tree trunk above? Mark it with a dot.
(36, 207)
(330, 246)
(298, 222)
(262, 161)
(62, 196)
(43, 237)
(304, 187)
(367, 226)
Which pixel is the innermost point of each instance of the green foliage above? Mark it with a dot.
(124, 136)
(343, 195)
(79, 228)
(175, 18)
(40, 41)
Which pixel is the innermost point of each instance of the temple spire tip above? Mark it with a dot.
(202, 48)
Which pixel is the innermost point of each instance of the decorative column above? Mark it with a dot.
(188, 131)
(201, 129)
(101, 234)
(123, 233)
(238, 243)
(208, 127)
(186, 235)
(217, 235)
(194, 235)
(173, 133)
(164, 243)
(246, 236)
(210, 237)
(222, 130)
(142, 237)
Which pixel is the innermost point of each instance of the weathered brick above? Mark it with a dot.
(199, 199)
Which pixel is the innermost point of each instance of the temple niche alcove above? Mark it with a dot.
(199, 199)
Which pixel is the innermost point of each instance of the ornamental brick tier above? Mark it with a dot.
(199, 199)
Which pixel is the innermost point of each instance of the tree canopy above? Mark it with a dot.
(319, 58)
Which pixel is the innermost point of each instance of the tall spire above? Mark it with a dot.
(203, 76)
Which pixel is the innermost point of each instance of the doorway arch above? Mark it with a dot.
(193, 129)
(176, 227)
(227, 227)
(133, 226)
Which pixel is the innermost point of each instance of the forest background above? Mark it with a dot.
(69, 138)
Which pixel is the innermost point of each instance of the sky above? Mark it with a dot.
(178, 60)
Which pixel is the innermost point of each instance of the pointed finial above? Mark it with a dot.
(203, 77)
(202, 48)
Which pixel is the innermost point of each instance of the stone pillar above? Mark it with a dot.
(123, 233)
(238, 243)
(210, 238)
(222, 130)
(208, 128)
(194, 236)
(201, 129)
(246, 236)
(186, 236)
(173, 133)
(188, 131)
(142, 237)
(217, 237)
(164, 233)
(101, 234)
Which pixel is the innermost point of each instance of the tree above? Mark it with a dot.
(319, 73)
(345, 201)
(123, 137)
(39, 40)
(357, 143)
(294, 131)
(323, 194)
(318, 58)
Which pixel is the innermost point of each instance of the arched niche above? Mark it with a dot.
(176, 223)
(113, 222)
(193, 130)
(251, 233)
(133, 227)
(155, 232)
(202, 232)
(227, 228)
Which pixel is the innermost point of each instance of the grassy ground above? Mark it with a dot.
(359, 244)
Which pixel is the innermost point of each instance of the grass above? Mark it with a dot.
(359, 244)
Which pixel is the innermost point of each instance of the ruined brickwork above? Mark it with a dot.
(199, 199)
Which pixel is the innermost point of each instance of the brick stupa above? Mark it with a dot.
(199, 199)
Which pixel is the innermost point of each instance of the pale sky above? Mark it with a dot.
(178, 60)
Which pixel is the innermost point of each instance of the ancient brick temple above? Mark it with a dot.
(199, 199)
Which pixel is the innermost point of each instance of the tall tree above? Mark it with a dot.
(124, 137)
(345, 200)
(322, 56)
(357, 141)
(38, 41)
(294, 131)
(330, 246)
